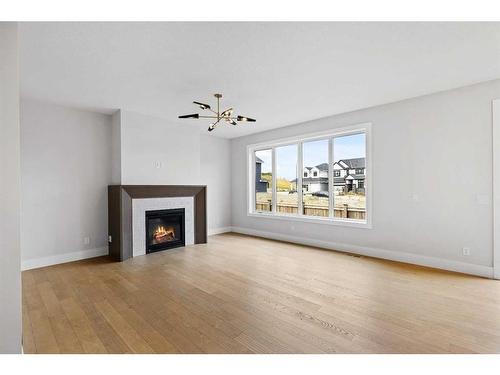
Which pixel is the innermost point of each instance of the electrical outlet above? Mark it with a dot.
(86, 240)
(466, 251)
(110, 239)
(158, 164)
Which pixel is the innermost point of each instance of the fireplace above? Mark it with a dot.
(127, 207)
(164, 229)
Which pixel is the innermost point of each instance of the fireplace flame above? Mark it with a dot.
(162, 234)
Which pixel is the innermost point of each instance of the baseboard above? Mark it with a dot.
(215, 231)
(29, 264)
(421, 260)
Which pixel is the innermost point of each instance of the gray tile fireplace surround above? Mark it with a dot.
(139, 208)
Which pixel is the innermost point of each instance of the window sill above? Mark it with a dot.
(312, 219)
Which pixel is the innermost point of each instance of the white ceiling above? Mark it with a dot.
(278, 73)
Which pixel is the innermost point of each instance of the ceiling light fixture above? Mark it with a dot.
(226, 115)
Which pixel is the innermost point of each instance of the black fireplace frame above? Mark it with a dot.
(171, 244)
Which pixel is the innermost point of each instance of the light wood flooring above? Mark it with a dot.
(240, 294)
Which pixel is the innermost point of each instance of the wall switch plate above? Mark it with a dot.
(466, 251)
(86, 240)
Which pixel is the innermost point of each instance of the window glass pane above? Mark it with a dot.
(263, 180)
(315, 185)
(286, 180)
(349, 166)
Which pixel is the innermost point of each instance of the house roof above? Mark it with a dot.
(358, 176)
(323, 180)
(351, 164)
(258, 160)
(321, 167)
(354, 163)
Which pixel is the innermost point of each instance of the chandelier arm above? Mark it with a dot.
(215, 123)
(229, 110)
(217, 116)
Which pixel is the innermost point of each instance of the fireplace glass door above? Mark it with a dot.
(164, 229)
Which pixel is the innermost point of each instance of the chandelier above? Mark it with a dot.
(218, 116)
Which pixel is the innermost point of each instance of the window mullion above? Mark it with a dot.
(300, 172)
(253, 199)
(274, 179)
(331, 195)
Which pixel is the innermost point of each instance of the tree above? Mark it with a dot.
(282, 184)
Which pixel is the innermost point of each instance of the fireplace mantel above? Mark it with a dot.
(120, 212)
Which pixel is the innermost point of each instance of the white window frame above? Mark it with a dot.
(299, 140)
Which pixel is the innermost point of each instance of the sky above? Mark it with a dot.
(316, 152)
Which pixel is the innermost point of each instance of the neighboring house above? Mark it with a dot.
(315, 178)
(348, 175)
(260, 184)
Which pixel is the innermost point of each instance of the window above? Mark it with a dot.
(322, 177)
(263, 180)
(315, 198)
(349, 197)
(286, 180)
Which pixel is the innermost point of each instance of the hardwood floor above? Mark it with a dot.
(241, 294)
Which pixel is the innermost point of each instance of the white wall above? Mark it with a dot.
(215, 165)
(496, 186)
(66, 168)
(440, 146)
(155, 151)
(116, 148)
(10, 265)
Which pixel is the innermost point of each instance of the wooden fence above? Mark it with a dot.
(345, 211)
